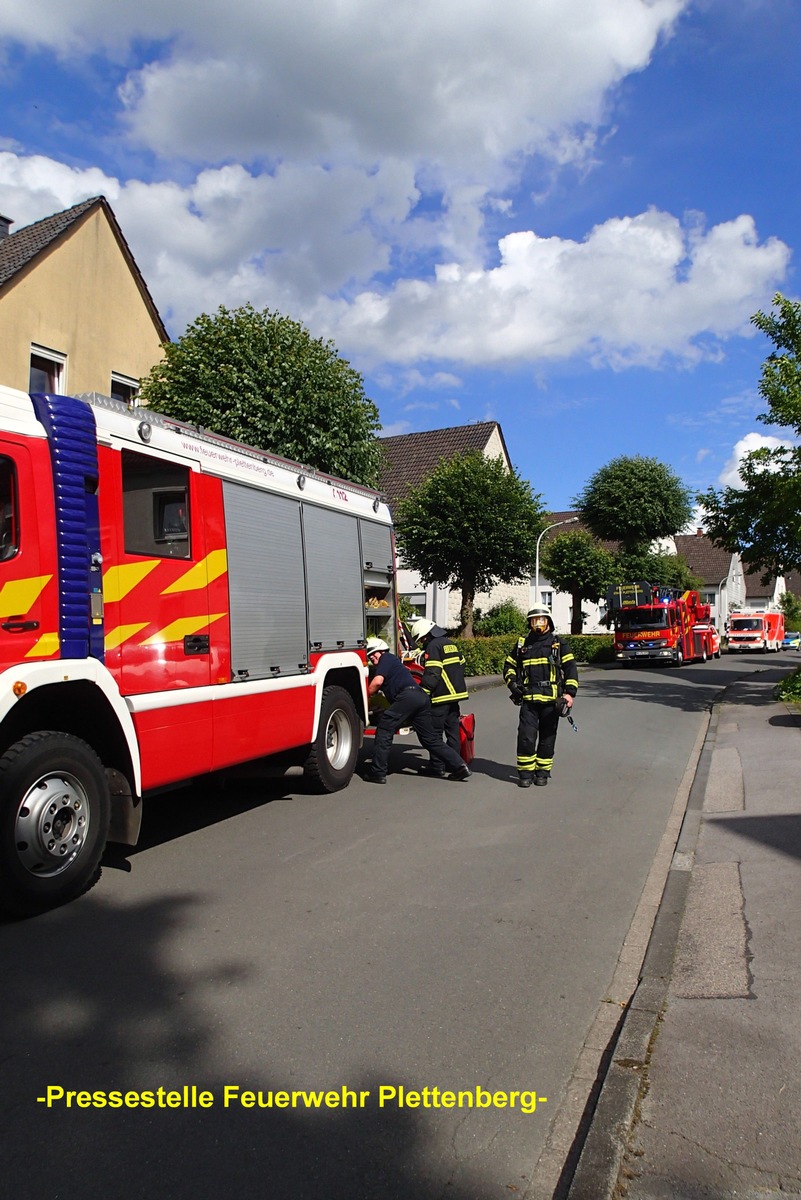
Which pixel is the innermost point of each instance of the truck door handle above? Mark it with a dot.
(19, 626)
(196, 644)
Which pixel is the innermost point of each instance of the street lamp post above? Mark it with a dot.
(567, 521)
(720, 599)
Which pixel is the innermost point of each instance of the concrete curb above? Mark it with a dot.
(598, 1169)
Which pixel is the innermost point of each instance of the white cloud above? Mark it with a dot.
(395, 429)
(456, 94)
(378, 137)
(636, 289)
(460, 82)
(730, 475)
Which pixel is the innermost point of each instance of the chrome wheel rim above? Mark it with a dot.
(338, 739)
(51, 825)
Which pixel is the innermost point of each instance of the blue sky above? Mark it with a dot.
(556, 214)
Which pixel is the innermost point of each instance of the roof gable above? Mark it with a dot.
(410, 458)
(706, 560)
(20, 250)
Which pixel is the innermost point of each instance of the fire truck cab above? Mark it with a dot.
(762, 631)
(172, 603)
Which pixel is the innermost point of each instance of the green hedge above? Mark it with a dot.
(486, 655)
(790, 687)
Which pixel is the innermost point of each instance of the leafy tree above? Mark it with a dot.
(634, 501)
(261, 378)
(669, 570)
(575, 562)
(762, 520)
(470, 525)
(790, 604)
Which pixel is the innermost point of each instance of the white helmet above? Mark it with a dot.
(419, 627)
(376, 646)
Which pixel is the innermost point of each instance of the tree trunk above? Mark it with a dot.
(576, 620)
(466, 613)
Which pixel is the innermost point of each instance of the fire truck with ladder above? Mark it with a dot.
(661, 623)
(172, 603)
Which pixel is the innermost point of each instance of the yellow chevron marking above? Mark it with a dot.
(46, 646)
(119, 581)
(122, 633)
(18, 596)
(202, 574)
(181, 629)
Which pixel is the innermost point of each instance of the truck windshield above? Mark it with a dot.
(643, 618)
(743, 623)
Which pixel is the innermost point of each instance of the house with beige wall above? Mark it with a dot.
(409, 459)
(75, 313)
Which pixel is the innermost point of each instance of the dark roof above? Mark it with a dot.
(792, 581)
(409, 458)
(707, 561)
(755, 589)
(19, 250)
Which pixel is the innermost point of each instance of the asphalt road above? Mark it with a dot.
(426, 934)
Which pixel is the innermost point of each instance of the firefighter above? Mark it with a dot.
(443, 679)
(542, 679)
(408, 705)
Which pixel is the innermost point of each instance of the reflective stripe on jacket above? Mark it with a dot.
(443, 677)
(534, 664)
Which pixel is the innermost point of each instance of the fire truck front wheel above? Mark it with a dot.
(54, 818)
(333, 754)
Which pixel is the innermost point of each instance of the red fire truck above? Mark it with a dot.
(662, 623)
(761, 631)
(172, 603)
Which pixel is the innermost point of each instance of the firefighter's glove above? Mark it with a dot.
(516, 693)
(562, 706)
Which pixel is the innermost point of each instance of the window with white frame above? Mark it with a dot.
(546, 598)
(416, 600)
(124, 388)
(48, 370)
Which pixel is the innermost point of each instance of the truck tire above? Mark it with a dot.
(334, 751)
(678, 661)
(54, 819)
(704, 655)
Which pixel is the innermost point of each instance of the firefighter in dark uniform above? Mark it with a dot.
(408, 705)
(443, 679)
(542, 679)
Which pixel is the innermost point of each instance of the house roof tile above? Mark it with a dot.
(20, 248)
(706, 560)
(409, 458)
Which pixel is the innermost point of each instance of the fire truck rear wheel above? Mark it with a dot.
(54, 819)
(704, 655)
(332, 759)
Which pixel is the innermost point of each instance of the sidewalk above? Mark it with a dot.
(702, 1098)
